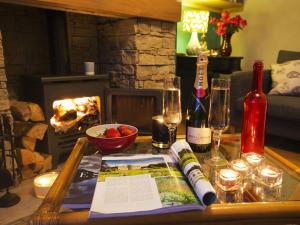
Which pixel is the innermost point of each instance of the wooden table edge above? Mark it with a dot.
(282, 160)
(48, 212)
(237, 212)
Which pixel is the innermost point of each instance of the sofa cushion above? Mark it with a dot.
(285, 107)
(284, 56)
(286, 78)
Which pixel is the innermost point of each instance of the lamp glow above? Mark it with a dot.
(195, 22)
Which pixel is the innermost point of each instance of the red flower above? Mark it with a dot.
(221, 24)
(226, 24)
(243, 23)
(238, 17)
(234, 21)
(225, 15)
(213, 20)
(220, 31)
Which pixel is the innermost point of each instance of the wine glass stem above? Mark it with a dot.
(172, 135)
(216, 143)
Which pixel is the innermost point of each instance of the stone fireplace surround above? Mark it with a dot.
(135, 52)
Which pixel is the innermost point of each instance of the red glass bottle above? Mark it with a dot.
(254, 114)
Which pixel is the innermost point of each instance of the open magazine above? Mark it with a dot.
(151, 184)
(81, 191)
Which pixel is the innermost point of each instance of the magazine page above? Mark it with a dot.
(82, 188)
(191, 168)
(127, 194)
(140, 185)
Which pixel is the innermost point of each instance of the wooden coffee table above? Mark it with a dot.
(286, 210)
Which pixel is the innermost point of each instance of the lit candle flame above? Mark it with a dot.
(268, 172)
(45, 180)
(240, 165)
(253, 158)
(228, 174)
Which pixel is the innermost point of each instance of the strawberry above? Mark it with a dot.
(125, 130)
(112, 133)
(121, 128)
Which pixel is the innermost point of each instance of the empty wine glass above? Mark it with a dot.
(218, 117)
(172, 105)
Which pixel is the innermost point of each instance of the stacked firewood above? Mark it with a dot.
(29, 129)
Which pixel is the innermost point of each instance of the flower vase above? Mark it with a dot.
(226, 45)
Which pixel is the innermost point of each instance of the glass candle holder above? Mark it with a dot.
(253, 158)
(229, 196)
(43, 183)
(160, 132)
(241, 166)
(266, 193)
(228, 179)
(268, 175)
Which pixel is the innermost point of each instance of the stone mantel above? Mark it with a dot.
(166, 10)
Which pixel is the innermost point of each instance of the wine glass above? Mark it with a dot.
(172, 106)
(218, 117)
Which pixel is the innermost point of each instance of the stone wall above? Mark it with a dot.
(25, 43)
(83, 41)
(137, 52)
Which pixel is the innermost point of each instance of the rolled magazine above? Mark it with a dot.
(191, 168)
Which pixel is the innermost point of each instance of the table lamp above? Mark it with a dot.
(195, 21)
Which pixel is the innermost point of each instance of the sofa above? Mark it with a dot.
(283, 112)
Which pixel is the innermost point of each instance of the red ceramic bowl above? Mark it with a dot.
(110, 145)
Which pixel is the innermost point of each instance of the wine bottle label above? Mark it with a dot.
(201, 74)
(199, 136)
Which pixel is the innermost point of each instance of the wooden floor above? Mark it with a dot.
(18, 214)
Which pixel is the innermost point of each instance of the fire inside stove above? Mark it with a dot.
(75, 114)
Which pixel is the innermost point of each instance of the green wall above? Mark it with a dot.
(183, 37)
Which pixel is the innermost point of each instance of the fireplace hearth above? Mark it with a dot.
(71, 105)
(75, 113)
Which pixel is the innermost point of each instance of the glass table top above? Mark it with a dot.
(252, 191)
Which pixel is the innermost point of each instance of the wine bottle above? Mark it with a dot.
(198, 134)
(254, 114)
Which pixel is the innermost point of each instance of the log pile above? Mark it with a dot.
(29, 129)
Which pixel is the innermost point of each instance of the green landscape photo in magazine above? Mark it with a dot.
(175, 191)
(155, 166)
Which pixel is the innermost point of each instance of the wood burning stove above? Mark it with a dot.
(71, 105)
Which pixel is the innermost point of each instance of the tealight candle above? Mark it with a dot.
(253, 158)
(43, 183)
(268, 175)
(240, 166)
(228, 179)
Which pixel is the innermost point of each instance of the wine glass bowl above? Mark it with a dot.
(219, 110)
(218, 117)
(172, 105)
